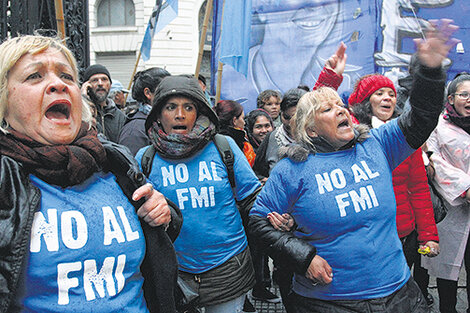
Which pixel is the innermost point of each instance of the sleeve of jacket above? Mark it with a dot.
(295, 253)
(426, 100)
(328, 78)
(420, 199)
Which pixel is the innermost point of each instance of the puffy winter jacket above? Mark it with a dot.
(414, 206)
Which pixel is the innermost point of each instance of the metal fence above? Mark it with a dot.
(20, 17)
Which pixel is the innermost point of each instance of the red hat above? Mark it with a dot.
(367, 85)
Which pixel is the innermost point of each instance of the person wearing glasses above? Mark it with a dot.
(449, 144)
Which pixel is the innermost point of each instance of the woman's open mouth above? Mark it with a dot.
(386, 107)
(344, 123)
(179, 129)
(58, 110)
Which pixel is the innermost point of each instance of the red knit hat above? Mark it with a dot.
(367, 85)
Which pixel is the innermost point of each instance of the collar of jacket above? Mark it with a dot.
(299, 153)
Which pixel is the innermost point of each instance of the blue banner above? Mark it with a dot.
(292, 39)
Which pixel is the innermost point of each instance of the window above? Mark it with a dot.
(116, 13)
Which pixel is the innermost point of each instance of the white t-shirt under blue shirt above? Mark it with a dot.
(212, 229)
(85, 251)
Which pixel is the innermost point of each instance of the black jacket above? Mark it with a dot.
(20, 199)
(133, 134)
(237, 134)
(110, 120)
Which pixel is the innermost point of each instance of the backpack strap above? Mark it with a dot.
(226, 154)
(147, 160)
(220, 142)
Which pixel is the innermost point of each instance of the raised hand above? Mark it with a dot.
(337, 62)
(436, 46)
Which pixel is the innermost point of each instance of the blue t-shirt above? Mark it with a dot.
(212, 229)
(344, 205)
(86, 250)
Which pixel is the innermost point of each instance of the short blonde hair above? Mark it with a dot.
(13, 49)
(308, 106)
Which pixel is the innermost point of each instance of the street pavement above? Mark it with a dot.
(264, 307)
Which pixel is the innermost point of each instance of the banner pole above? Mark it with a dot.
(133, 74)
(59, 16)
(202, 41)
(220, 67)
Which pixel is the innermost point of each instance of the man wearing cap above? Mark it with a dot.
(96, 87)
(116, 93)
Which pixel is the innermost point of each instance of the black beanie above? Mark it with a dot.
(95, 69)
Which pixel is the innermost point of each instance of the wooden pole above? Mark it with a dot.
(220, 66)
(133, 74)
(219, 81)
(202, 41)
(59, 15)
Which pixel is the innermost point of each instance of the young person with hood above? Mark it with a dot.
(212, 247)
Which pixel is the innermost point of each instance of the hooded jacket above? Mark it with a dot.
(180, 86)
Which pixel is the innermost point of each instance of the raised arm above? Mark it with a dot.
(427, 93)
(332, 73)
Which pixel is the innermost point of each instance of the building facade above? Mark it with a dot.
(117, 28)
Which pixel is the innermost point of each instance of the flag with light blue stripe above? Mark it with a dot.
(162, 14)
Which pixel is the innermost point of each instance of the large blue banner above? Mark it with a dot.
(292, 39)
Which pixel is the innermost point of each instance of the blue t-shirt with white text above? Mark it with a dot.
(344, 205)
(86, 250)
(212, 230)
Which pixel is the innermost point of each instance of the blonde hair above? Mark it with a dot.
(13, 49)
(308, 106)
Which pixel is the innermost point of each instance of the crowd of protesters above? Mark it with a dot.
(336, 194)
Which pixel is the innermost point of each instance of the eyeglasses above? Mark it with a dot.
(463, 96)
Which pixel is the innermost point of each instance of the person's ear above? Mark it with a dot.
(449, 98)
(233, 120)
(147, 93)
(311, 133)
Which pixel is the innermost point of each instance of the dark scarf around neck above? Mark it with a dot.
(457, 119)
(179, 146)
(62, 165)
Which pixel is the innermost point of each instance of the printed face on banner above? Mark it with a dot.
(291, 40)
